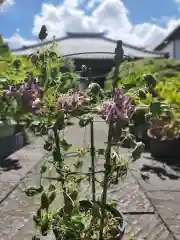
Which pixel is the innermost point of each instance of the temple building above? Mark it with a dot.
(94, 50)
(171, 44)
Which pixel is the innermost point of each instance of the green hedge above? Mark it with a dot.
(131, 72)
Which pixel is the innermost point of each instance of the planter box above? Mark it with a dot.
(11, 144)
(164, 149)
(7, 128)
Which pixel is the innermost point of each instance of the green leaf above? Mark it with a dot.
(137, 151)
(48, 146)
(32, 191)
(59, 124)
(38, 213)
(17, 63)
(155, 108)
(45, 225)
(65, 145)
(37, 220)
(44, 201)
(35, 123)
(51, 187)
(85, 120)
(74, 194)
(43, 33)
(77, 220)
(113, 204)
(52, 197)
(43, 169)
(36, 238)
(68, 208)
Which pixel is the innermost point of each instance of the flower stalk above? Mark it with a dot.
(118, 59)
(93, 161)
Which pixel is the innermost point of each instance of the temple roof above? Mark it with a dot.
(173, 35)
(89, 45)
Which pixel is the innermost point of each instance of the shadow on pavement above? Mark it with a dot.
(160, 171)
(9, 164)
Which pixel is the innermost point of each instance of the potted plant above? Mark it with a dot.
(80, 219)
(7, 123)
(148, 106)
(75, 218)
(92, 218)
(164, 127)
(164, 138)
(139, 125)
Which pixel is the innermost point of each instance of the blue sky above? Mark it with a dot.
(21, 15)
(145, 10)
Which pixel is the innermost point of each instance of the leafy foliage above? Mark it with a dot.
(154, 86)
(48, 98)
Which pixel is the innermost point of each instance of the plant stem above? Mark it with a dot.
(57, 142)
(93, 161)
(106, 178)
(58, 153)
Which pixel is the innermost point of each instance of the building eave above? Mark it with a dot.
(98, 36)
(167, 39)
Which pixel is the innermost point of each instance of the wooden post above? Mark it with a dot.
(119, 54)
(83, 81)
(90, 80)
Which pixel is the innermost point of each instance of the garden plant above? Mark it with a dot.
(47, 99)
(154, 86)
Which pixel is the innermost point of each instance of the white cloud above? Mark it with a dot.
(110, 15)
(5, 5)
(16, 41)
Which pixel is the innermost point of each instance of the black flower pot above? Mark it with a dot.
(86, 205)
(164, 149)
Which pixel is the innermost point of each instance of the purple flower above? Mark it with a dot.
(72, 101)
(121, 107)
(29, 92)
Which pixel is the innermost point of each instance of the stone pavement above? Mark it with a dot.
(14, 168)
(162, 189)
(150, 210)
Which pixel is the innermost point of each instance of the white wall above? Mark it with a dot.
(173, 48)
(177, 49)
(169, 48)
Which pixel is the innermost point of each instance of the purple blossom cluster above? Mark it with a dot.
(72, 101)
(121, 107)
(28, 92)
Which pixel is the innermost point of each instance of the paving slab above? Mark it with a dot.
(15, 167)
(128, 195)
(16, 210)
(162, 188)
(145, 227)
(162, 176)
(167, 205)
(139, 227)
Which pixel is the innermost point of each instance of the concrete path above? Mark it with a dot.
(146, 208)
(13, 171)
(162, 189)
